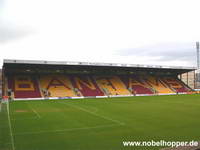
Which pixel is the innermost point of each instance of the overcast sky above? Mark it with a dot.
(160, 32)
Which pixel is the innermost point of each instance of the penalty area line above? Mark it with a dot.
(95, 114)
(33, 110)
(68, 130)
(33, 118)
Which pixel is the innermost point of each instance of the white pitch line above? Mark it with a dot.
(10, 127)
(95, 114)
(36, 117)
(0, 107)
(37, 114)
(67, 130)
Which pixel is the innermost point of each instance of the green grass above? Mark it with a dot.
(100, 124)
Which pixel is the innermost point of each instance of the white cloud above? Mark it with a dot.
(93, 30)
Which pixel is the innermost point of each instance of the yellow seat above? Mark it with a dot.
(57, 85)
(113, 85)
(158, 85)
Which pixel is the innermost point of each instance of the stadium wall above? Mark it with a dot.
(65, 98)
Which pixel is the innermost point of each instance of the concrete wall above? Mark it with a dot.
(188, 79)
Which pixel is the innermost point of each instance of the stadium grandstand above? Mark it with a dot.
(24, 79)
(81, 105)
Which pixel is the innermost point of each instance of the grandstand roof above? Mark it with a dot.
(11, 64)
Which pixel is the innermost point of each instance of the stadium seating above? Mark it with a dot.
(54, 85)
(112, 85)
(119, 85)
(86, 85)
(106, 86)
(176, 84)
(158, 85)
(136, 85)
(57, 86)
(24, 86)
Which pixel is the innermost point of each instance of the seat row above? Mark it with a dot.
(32, 86)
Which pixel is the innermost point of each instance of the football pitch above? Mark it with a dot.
(98, 124)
